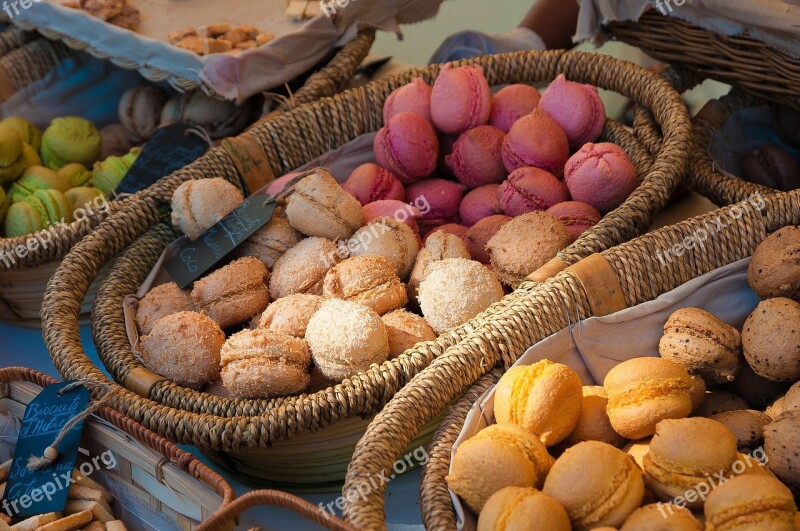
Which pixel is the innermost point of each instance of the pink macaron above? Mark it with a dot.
(407, 146)
(437, 199)
(413, 97)
(511, 103)
(577, 108)
(392, 208)
(369, 183)
(536, 140)
(479, 235)
(600, 175)
(576, 216)
(452, 228)
(480, 203)
(475, 159)
(461, 99)
(529, 189)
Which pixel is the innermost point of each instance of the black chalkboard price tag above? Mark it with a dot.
(171, 148)
(30, 492)
(195, 258)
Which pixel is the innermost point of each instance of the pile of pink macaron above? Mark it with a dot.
(477, 159)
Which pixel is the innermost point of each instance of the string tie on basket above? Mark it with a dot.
(50, 453)
(202, 133)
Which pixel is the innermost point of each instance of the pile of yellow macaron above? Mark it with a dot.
(45, 177)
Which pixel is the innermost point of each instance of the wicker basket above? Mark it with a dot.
(12, 38)
(28, 64)
(619, 278)
(741, 60)
(151, 472)
(23, 279)
(251, 426)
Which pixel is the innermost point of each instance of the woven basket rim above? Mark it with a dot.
(286, 418)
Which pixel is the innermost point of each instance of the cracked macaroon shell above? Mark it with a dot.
(750, 502)
(263, 363)
(683, 452)
(198, 204)
(184, 347)
(389, 238)
(302, 268)
(781, 438)
(643, 391)
(771, 339)
(438, 246)
(747, 425)
(406, 329)
(774, 270)
(544, 398)
(162, 300)
(367, 279)
(289, 315)
(271, 241)
(320, 207)
(597, 484)
(346, 338)
(536, 140)
(703, 344)
(514, 508)
(234, 293)
(475, 158)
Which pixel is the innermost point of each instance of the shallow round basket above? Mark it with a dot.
(741, 60)
(249, 430)
(150, 472)
(27, 262)
(599, 285)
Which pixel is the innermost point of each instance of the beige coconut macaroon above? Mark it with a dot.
(320, 207)
(405, 330)
(289, 315)
(438, 246)
(271, 241)
(234, 293)
(162, 300)
(197, 205)
(302, 268)
(390, 238)
(366, 279)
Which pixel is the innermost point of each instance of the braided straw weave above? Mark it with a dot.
(740, 60)
(29, 273)
(30, 63)
(12, 38)
(533, 315)
(12, 377)
(287, 142)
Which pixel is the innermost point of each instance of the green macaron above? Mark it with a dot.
(12, 163)
(75, 174)
(81, 196)
(4, 203)
(70, 139)
(37, 178)
(28, 132)
(108, 174)
(30, 156)
(56, 206)
(25, 217)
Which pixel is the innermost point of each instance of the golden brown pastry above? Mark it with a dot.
(368, 280)
(405, 330)
(161, 301)
(235, 293)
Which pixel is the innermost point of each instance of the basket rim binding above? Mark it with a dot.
(639, 276)
(286, 419)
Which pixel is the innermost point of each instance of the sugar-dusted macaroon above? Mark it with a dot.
(601, 175)
(455, 290)
(389, 238)
(184, 347)
(234, 293)
(494, 458)
(536, 140)
(438, 246)
(597, 484)
(198, 204)
(751, 502)
(407, 145)
(684, 453)
(774, 270)
(643, 391)
(366, 279)
(443, 198)
(302, 268)
(511, 103)
(480, 203)
(70, 139)
(271, 241)
(345, 338)
(661, 517)
(369, 183)
(771, 348)
(475, 158)
(461, 99)
(412, 97)
(703, 344)
(405, 330)
(544, 398)
(577, 108)
(513, 508)
(593, 423)
(528, 189)
(781, 438)
(524, 244)
(577, 217)
(289, 315)
(747, 425)
(320, 207)
(479, 235)
(263, 363)
(162, 300)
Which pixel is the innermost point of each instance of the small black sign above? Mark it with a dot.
(171, 148)
(30, 492)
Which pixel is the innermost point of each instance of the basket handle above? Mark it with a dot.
(278, 499)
